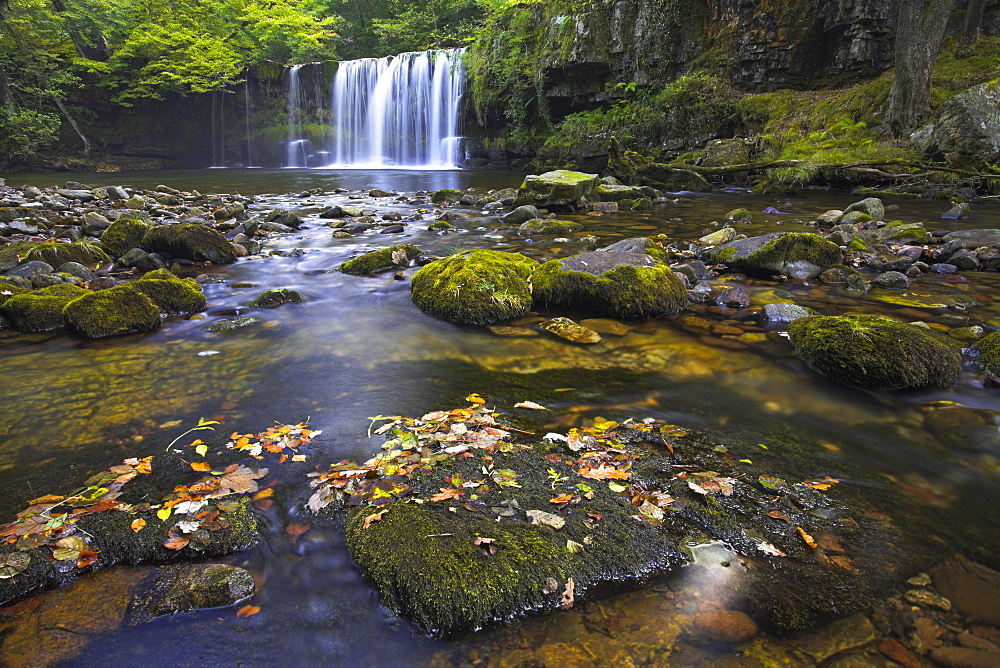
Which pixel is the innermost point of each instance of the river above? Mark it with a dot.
(358, 348)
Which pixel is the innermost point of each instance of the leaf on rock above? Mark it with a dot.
(565, 498)
(567, 599)
(176, 542)
(806, 537)
(374, 517)
(767, 548)
(446, 494)
(778, 515)
(544, 518)
(530, 404)
(822, 484)
(86, 558)
(201, 466)
(475, 399)
(13, 563)
(138, 525)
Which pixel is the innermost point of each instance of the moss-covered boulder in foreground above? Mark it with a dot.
(173, 295)
(461, 534)
(874, 351)
(558, 188)
(123, 235)
(120, 310)
(40, 310)
(381, 260)
(190, 241)
(58, 254)
(478, 287)
(987, 351)
(610, 283)
(793, 254)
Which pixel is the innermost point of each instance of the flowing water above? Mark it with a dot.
(357, 348)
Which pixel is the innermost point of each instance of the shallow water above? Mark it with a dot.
(357, 348)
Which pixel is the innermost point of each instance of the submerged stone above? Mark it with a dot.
(874, 351)
(478, 287)
(565, 328)
(188, 587)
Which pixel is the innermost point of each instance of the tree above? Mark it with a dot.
(920, 26)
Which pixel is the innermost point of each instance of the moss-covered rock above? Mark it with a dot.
(611, 283)
(58, 254)
(987, 351)
(874, 351)
(478, 287)
(617, 193)
(40, 310)
(446, 195)
(739, 215)
(558, 188)
(120, 310)
(8, 290)
(899, 232)
(123, 235)
(275, 297)
(190, 241)
(872, 206)
(381, 260)
(174, 296)
(794, 254)
(548, 226)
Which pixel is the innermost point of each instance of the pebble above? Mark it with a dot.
(927, 599)
(919, 580)
(725, 626)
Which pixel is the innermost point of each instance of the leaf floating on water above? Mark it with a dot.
(567, 596)
(530, 404)
(807, 538)
(247, 610)
(294, 530)
(543, 518)
(171, 424)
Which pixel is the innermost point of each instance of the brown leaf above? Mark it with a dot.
(294, 530)
(176, 543)
(562, 499)
(374, 517)
(446, 494)
(263, 494)
(778, 515)
(567, 596)
(806, 537)
(247, 610)
(86, 558)
(604, 472)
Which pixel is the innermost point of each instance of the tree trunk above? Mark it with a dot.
(73, 124)
(973, 20)
(98, 51)
(920, 27)
(5, 100)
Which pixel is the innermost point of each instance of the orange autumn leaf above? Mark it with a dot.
(446, 494)
(806, 537)
(822, 485)
(86, 558)
(562, 499)
(248, 610)
(778, 515)
(375, 517)
(48, 498)
(263, 494)
(145, 465)
(201, 466)
(604, 472)
(475, 399)
(294, 530)
(176, 543)
(138, 525)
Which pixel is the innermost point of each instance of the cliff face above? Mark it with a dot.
(582, 47)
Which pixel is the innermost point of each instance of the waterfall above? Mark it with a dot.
(248, 111)
(296, 147)
(218, 129)
(400, 111)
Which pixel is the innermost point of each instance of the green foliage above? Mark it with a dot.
(24, 132)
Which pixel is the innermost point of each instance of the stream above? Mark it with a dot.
(356, 348)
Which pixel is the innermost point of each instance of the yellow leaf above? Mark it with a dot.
(475, 399)
(201, 466)
(201, 449)
(263, 494)
(163, 513)
(298, 458)
(806, 537)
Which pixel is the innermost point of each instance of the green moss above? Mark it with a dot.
(724, 254)
(857, 244)
(549, 226)
(119, 310)
(123, 235)
(8, 290)
(478, 287)
(446, 195)
(855, 218)
(440, 226)
(897, 230)
(739, 216)
(173, 295)
(40, 310)
(622, 291)
(190, 241)
(381, 260)
(275, 297)
(58, 254)
(988, 351)
(874, 351)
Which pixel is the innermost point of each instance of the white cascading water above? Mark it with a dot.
(296, 148)
(400, 111)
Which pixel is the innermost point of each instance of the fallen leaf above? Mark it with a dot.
(171, 424)
(767, 548)
(247, 610)
(298, 458)
(475, 399)
(446, 494)
(176, 543)
(479, 540)
(201, 466)
(86, 558)
(567, 596)
(530, 404)
(806, 537)
(263, 494)
(201, 449)
(778, 515)
(573, 546)
(562, 499)
(294, 530)
(546, 519)
(374, 517)
(138, 525)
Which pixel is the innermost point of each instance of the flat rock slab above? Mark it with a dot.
(975, 238)
(598, 262)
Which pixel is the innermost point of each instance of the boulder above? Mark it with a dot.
(520, 215)
(374, 262)
(123, 235)
(191, 242)
(94, 223)
(119, 310)
(559, 188)
(874, 351)
(173, 295)
(446, 195)
(775, 316)
(739, 216)
(870, 205)
(726, 152)
(611, 283)
(794, 254)
(965, 129)
(548, 226)
(40, 310)
(728, 627)
(974, 238)
(188, 587)
(57, 254)
(987, 353)
(725, 235)
(283, 217)
(617, 193)
(891, 280)
(275, 297)
(477, 287)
